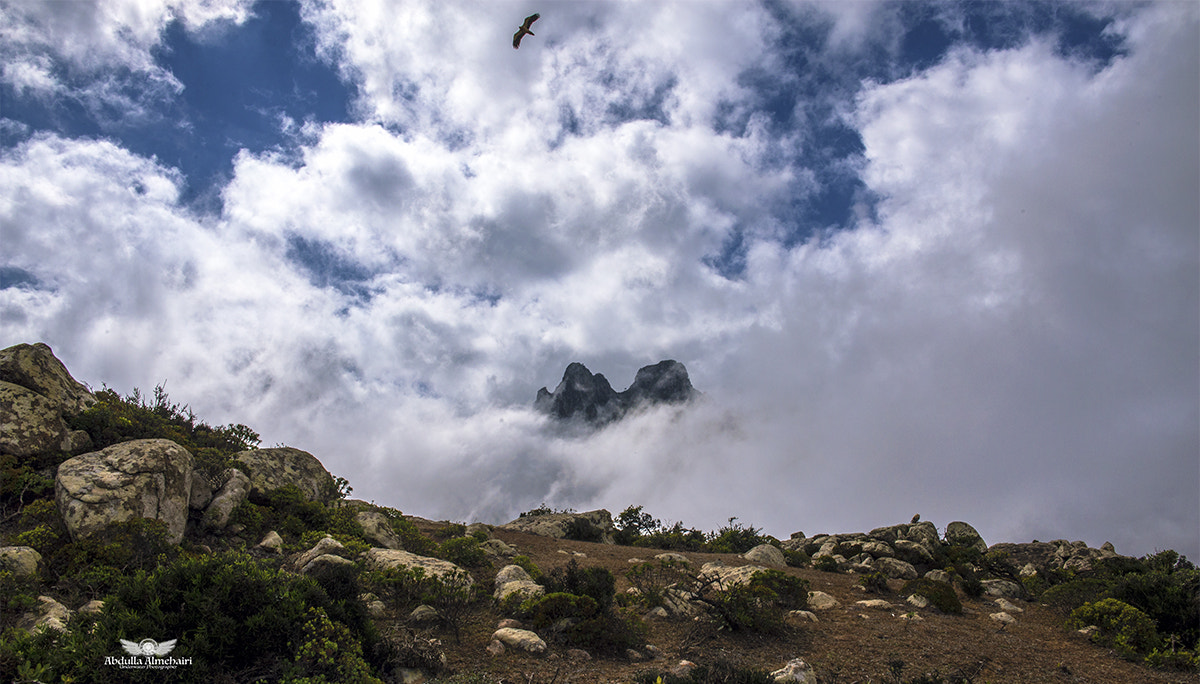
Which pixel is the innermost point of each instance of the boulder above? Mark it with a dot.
(912, 552)
(230, 496)
(22, 561)
(767, 555)
(512, 579)
(323, 563)
(896, 568)
(877, 604)
(327, 545)
(271, 543)
(29, 423)
(597, 524)
(145, 478)
(498, 548)
(34, 367)
(48, 614)
(1003, 618)
(672, 557)
(1000, 588)
(386, 559)
(959, 533)
(878, 549)
(273, 469)
(521, 639)
(377, 529)
(724, 576)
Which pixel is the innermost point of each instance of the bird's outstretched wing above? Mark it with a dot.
(130, 647)
(165, 647)
(529, 21)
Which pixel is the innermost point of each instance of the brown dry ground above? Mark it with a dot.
(849, 643)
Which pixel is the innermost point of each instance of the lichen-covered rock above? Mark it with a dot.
(1000, 588)
(327, 545)
(819, 600)
(22, 561)
(47, 614)
(29, 423)
(384, 559)
(767, 555)
(273, 469)
(912, 552)
(271, 542)
(324, 562)
(377, 529)
(145, 478)
(597, 525)
(796, 671)
(725, 576)
(896, 568)
(34, 367)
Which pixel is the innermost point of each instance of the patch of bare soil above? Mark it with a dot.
(849, 644)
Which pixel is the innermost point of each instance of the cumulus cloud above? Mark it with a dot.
(1007, 336)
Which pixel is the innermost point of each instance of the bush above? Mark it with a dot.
(1074, 593)
(652, 580)
(757, 605)
(875, 583)
(941, 595)
(464, 551)
(232, 615)
(595, 582)
(796, 558)
(826, 564)
(632, 524)
(1171, 599)
(736, 538)
(674, 538)
(1123, 628)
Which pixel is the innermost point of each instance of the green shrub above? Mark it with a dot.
(1181, 660)
(796, 558)
(736, 538)
(875, 583)
(411, 538)
(941, 595)
(790, 593)
(526, 563)
(1171, 599)
(596, 582)
(1123, 628)
(1074, 593)
(328, 652)
(674, 538)
(632, 524)
(233, 615)
(464, 551)
(652, 580)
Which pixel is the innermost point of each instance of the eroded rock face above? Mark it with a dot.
(34, 367)
(272, 469)
(580, 395)
(232, 493)
(146, 478)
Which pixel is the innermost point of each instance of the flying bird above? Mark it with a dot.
(524, 30)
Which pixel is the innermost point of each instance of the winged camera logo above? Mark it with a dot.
(147, 654)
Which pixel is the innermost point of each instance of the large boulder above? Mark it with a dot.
(377, 529)
(896, 568)
(512, 579)
(34, 367)
(273, 469)
(145, 478)
(959, 533)
(767, 555)
(726, 576)
(592, 525)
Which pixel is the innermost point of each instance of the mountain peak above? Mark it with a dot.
(584, 396)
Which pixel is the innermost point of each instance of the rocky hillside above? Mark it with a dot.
(590, 398)
(140, 544)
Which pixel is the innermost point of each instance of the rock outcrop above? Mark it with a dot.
(590, 526)
(384, 559)
(590, 398)
(145, 478)
(37, 394)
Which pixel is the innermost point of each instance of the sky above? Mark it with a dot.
(921, 258)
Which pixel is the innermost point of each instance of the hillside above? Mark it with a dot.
(127, 519)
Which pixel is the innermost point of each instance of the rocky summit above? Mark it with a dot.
(583, 396)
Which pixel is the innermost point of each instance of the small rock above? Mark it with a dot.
(683, 668)
(93, 606)
(796, 671)
(578, 655)
(327, 545)
(22, 561)
(878, 604)
(1003, 618)
(1002, 588)
(272, 542)
(520, 639)
(1008, 606)
(634, 656)
(423, 614)
(918, 601)
(48, 614)
(938, 576)
(495, 648)
(674, 558)
(803, 615)
(509, 623)
(1089, 631)
(653, 651)
(657, 612)
(819, 600)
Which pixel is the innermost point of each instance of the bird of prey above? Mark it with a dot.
(524, 30)
(148, 647)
